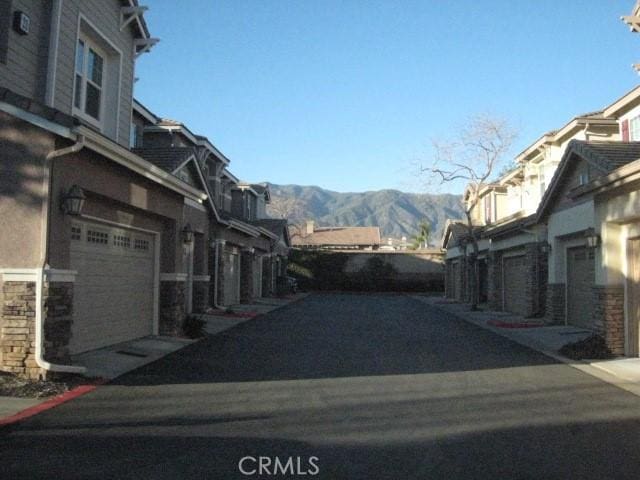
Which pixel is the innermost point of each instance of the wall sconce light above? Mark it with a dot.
(545, 247)
(593, 239)
(187, 234)
(73, 201)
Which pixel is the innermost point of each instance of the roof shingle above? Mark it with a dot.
(167, 158)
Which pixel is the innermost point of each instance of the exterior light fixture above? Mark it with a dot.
(545, 247)
(593, 240)
(73, 201)
(187, 234)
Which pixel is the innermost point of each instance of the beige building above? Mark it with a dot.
(108, 234)
(562, 245)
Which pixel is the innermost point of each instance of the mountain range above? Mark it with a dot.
(397, 213)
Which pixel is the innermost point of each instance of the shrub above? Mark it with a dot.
(592, 347)
(193, 327)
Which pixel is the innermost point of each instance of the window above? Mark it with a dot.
(140, 244)
(122, 241)
(135, 138)
(634, 129)
(542, 180)
(76, 232)
(94, 236)
(88, 94)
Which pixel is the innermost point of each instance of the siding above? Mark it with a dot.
(105, 16)
(26, 67)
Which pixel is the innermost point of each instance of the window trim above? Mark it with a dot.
(90, 30)
(81, 111)
(634, 121)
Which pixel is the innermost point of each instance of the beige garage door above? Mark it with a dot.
(515, 283)
(113, 293)
(580, 280)
(232, 278)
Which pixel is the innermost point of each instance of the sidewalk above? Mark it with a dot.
(219, 321)
(622, 372)
(116, 360)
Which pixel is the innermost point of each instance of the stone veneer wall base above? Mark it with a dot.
(608, 316)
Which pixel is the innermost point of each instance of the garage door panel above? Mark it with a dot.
(515, 284)
(113, 294)
(580, 281)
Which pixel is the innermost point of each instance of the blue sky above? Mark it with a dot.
(348, 94)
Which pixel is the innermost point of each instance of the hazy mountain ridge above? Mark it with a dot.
(396, 213)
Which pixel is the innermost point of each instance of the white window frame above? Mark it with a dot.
(81, 111)
(634, 129)
(113, 72)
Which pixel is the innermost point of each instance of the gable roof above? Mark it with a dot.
(167, 158)
(453, 230)
(604, 156)
(342, 236)
(277, 226)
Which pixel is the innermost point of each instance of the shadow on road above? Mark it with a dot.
(333, 336)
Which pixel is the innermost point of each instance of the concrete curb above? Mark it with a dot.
(49, 404)
(598, 371)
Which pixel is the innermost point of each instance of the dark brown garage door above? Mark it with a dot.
(580, 280)
(515, 284)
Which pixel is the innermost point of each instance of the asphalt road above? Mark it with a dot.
(373, 387)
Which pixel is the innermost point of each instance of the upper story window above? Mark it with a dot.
(634, 129)
(135, 136)
(488, 217)
(89, 75)
(99, 88)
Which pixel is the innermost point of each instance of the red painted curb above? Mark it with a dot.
(501, 324)
(49, 404)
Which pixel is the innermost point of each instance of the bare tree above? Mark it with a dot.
(474, 156)
(289, 208)
(285, 207)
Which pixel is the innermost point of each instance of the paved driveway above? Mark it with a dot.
(375, 387)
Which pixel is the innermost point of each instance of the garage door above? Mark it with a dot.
(457, 287)
(113, 293)
(232, 278)
(515, 284)
(257, 276)
(580, 280)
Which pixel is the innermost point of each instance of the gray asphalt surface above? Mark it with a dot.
(375, 387)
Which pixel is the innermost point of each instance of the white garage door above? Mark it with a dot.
(232, 278)
(515, 285)
(113, 293)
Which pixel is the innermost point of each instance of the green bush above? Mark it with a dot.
(593, 347)
(193, 327)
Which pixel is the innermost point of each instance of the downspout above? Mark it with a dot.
(44, 256)
(54, 34)
(215, 276)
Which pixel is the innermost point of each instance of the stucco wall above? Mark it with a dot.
(23, 149)
(563, 223)
(117, 195)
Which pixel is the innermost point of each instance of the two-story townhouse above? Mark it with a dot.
(93, 234)
(591, 216)
(580, 243)
(244, 254)
(512, 262)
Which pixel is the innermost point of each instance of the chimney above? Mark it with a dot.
(310, 227)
